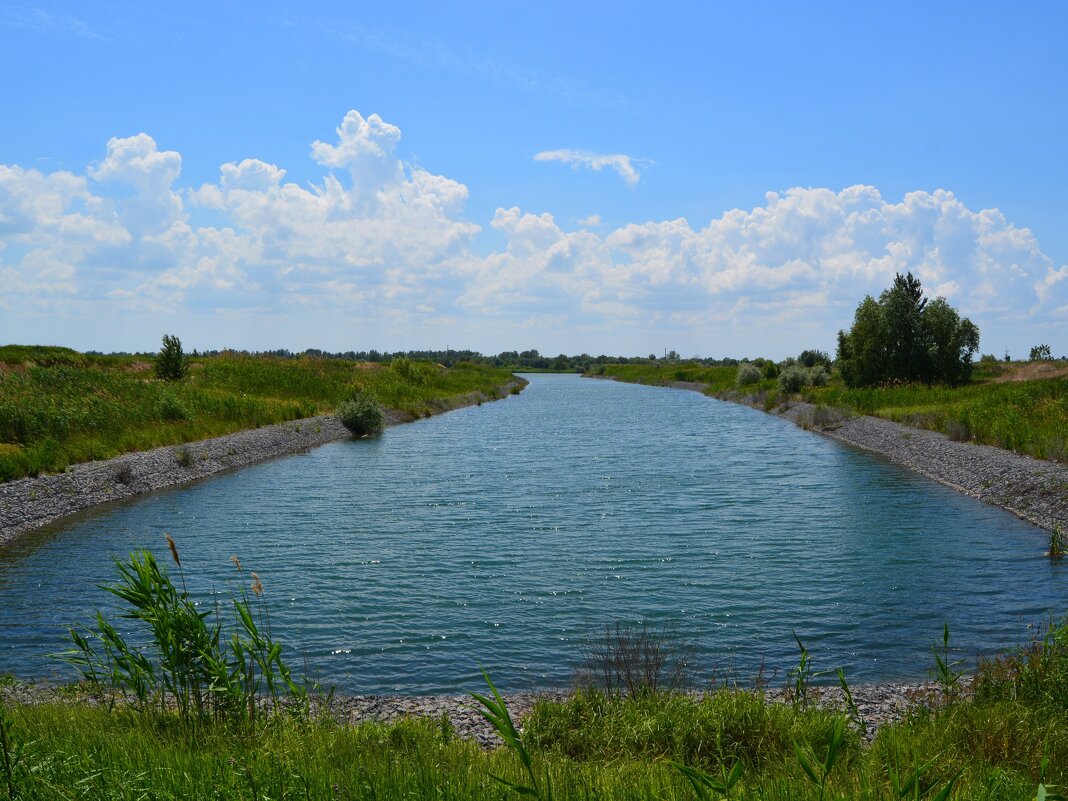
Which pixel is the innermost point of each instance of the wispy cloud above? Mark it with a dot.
(622, 164)
(33, 18)
(470, 64)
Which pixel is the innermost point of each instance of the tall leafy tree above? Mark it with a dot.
(903, 337)
(951, 342)
(906, 335)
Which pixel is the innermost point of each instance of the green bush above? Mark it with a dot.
(707, 731)
(813, 358)
(171, 364)
(793, 378)
(818, 376)
(1035, 674)
(361, 415)
(748, 374)
(408, 370)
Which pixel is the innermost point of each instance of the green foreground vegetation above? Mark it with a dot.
(59, 407)
(999, 745)
(214, 713)
(999, 406)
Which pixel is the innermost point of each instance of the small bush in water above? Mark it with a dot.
(360, 414)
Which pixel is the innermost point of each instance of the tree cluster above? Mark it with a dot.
(903, 337)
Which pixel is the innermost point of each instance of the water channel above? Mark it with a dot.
(504, 535)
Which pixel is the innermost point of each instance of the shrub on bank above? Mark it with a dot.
(171, 363)
(361, 414)
(747, 374)
(793, 378)
(818, 376)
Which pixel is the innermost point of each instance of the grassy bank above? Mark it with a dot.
(999, 407)
(59, 407)
(1025, 416)
(592, 746)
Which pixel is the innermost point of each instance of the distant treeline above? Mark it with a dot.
(527, 359)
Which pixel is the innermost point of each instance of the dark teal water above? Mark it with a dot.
(501, 535)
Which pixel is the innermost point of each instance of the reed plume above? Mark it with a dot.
(174, 549)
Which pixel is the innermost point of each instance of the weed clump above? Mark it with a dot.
(187, 663)
(172, 409)
(361, 414)
(727, 726)
(184, 457)
(124, 474)
(636, 660)
(1035, 674)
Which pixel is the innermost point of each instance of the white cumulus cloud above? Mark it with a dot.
(377, 247)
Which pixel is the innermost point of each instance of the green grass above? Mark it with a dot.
(590, 748)
(1025, 416)
(59, 407)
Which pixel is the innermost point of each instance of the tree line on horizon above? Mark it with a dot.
(900, 337)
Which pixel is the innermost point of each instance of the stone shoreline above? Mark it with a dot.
(1032, 489)
(877, 704)
(30, 503)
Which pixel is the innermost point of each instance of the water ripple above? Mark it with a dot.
(502, 535)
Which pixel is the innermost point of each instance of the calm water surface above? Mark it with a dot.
(502, 535)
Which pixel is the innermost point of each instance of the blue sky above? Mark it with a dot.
(711, 178)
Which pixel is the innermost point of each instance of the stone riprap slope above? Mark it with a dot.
(30, 503)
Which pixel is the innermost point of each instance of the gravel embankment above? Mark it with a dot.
(30, 503)
(878, 705)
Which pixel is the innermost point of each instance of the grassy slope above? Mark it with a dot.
(1026, 416)
(591, 746)
(1029, 416)
(59, 407)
